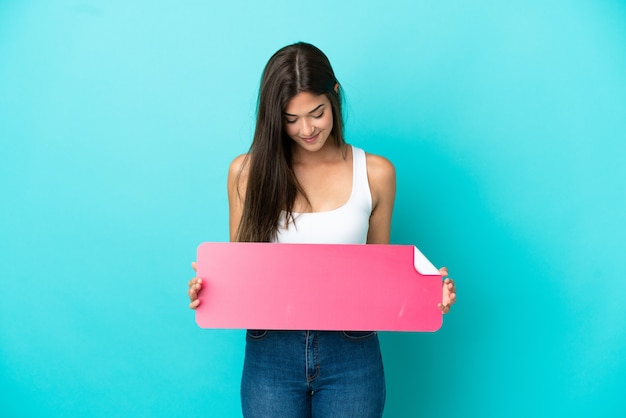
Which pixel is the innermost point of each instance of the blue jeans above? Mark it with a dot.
(312, 374)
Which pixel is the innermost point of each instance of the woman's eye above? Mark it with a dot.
(319, 115)
(290, 121)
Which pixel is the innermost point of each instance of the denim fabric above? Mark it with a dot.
(312, 374)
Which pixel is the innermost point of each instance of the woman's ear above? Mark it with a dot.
(336, 87)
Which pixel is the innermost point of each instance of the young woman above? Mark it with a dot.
(302, 183)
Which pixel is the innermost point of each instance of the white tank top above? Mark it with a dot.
(347, 224)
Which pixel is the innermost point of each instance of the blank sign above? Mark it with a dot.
(317, 286)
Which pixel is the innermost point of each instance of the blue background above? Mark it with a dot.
(506, 122)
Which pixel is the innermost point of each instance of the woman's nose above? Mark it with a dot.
(307, 128)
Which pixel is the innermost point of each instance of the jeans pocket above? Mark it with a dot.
(256, 334)
(358, 335)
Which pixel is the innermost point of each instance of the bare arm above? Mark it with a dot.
(237, 181)
(237, 178)
(382, 180)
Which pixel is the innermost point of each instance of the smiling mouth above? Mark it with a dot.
(311, 138)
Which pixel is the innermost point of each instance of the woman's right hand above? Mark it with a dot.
(195, 285)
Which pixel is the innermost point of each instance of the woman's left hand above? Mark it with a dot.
(448, 292)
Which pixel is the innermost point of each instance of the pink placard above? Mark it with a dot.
(317, 287)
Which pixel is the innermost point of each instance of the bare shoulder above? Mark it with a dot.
(380, 170)
(238, 173)
(239, 164)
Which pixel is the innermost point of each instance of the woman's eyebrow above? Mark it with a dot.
(312, 111)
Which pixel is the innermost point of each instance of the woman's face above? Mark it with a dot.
(309, 120)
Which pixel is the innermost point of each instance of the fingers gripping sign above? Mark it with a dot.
(195, 285)
(448, 297)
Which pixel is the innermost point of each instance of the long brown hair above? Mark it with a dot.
(272, 186)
